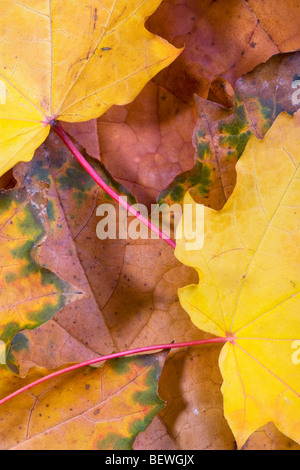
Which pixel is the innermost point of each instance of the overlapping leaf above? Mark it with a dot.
(249, 285)
(137, 309)
(133, 304)
(91, 409)
(30, 294)
(221, 134)
(79, 196)
(222, 39)
(70, 61)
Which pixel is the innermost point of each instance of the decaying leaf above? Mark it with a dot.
(148, 142)
(80, 331)
(226, 39)
(221, 134)
(249, 285)
(135, 310)
(74, 334)
(144, 144)
(282, 22)
(78, 198)
(90, 409)
(70, 61)
(114, 272)
(31, 294)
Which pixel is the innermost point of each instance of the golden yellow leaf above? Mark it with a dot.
(71, 61)
(92, 409)
(250, 285)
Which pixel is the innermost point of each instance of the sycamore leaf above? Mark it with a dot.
(79, 196)
(79, 332)
(156, 128)
(31, 294)
(137, 309)
(249, 285)
(94, 409)
(222, 39)
(133, 304)
(70, 61)
(221, 134)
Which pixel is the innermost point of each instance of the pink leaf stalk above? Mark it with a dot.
(114, 356)
(58, 129)
(229, 338)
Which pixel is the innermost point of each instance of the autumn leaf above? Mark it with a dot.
(249, 285)
(282, 22)
(60, 74)
(147, 144)
(144, 144)
(76, 197)
(221, 134)
(74, 334)
(156, 135)
(31, 294)
(135, 309)
(71, 335)
(94, 409)
(222, 40)
(131, 309)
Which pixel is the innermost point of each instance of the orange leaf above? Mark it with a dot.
(90, 409)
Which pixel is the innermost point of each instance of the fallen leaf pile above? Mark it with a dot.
(170, 101)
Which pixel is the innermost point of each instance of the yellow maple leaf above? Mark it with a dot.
(71, 61)
(249, 286)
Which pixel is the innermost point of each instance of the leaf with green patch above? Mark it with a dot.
(30, 294)
(80, 327)
(68, 173)
(90, 409)
(221, 134)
